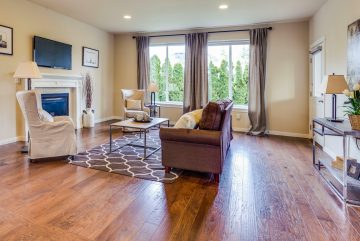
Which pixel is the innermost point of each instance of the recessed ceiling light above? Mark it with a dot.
(127, 16)
(223, 6)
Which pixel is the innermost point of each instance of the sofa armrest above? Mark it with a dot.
(191, 135)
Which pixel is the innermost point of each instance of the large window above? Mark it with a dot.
(229, 71)
(167, 71)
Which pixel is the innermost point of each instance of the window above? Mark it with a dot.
(229, 71)
(167, 71)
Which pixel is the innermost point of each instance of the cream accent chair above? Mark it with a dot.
(133, 95)
(47, 139)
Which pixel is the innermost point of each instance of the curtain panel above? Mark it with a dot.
(257, 77)
(143, 61)
(196, 71)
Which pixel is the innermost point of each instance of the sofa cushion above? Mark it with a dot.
(211, 116)
(186, 122)
(133, 104)
(189, 120)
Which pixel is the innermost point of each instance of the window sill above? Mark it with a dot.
(236, 108)
(240, 108)
(170, 104)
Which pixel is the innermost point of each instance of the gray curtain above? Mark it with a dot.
(257, 76)
(143, 61)
(196, 71)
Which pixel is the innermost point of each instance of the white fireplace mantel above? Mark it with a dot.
(52, 83)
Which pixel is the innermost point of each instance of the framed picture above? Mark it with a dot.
(353, 57)
(90, 57)
(6, 40)
(353, 169)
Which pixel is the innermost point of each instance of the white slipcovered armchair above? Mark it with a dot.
(47, 139)
(133, 95)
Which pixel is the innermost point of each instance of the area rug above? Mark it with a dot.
(128, 160)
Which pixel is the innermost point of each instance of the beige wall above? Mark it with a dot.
(331, 23)
(29, 19)
(287, 82)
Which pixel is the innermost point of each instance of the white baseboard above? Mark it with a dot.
(277, 133)
(12, 140)
(289, 134)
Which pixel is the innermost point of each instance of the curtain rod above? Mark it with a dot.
(183, 34)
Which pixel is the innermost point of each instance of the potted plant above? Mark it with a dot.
(88, 113)
(352, 106)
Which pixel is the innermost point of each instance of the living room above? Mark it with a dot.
(253, 172)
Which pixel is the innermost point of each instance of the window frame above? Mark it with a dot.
(168, 103)
(230, 43)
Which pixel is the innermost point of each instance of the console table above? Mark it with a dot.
(347, 188)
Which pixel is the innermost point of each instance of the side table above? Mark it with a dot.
(154, 110)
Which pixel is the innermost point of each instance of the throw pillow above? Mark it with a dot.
(45, 116)
(186, 121)
(133, 104)
(211, 116)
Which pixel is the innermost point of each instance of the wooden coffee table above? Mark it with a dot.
(143, 128)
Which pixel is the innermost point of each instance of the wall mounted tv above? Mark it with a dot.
(52, 54)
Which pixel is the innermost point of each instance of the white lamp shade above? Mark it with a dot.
(27, 70)
(153, 87)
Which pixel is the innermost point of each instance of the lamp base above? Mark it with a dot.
(335, 120)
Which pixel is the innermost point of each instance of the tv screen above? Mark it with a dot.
(52, 54)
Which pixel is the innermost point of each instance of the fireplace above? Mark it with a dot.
(57, 104)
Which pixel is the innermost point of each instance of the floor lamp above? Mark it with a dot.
(28, 71)
(335, 84)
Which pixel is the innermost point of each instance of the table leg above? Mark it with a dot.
(168, 123)
(144, 143)
(110, 134)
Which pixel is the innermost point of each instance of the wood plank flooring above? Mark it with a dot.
(268, 191)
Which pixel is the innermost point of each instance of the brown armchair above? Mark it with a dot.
(197, 150)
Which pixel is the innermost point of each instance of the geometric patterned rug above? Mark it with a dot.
(128, 160)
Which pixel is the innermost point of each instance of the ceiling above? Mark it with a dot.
(167, 15)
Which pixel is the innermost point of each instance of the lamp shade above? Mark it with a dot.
(27, 70)
(335, 84)
(153, 87)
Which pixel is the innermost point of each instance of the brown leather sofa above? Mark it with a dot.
(197, 150)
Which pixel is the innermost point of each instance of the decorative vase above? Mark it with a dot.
(88, 118)
(355, 122)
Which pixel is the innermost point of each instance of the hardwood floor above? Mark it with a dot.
(268, 191)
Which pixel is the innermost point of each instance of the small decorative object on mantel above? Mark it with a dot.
(90, 57)
(6, 40)
(88, 113)
(352, 106)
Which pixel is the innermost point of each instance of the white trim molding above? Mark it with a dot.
(12, 140)
(277, 133)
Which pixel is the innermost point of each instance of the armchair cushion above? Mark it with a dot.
(45, 116)
(133, 104)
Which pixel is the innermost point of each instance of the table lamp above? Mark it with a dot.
(153, 88)
(28, 71)
(334, 84)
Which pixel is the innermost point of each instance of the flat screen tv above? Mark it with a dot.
(52, 54)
